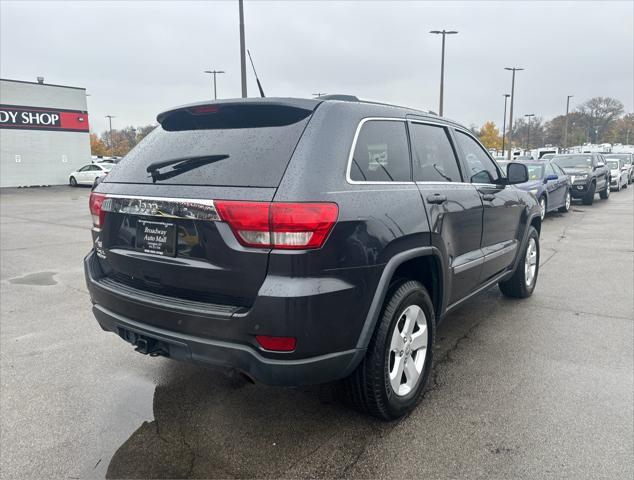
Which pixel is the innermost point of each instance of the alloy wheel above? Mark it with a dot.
(408, 350)
(568, 200)
(530, 262)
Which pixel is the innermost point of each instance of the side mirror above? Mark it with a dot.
(550, 177)
(516, 172)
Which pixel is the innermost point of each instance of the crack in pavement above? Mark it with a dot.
(446, 358)
(562, 236)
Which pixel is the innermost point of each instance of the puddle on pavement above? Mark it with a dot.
(40, 279)
(128, 404)
(209, 425)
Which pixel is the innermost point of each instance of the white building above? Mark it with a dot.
(43, 133)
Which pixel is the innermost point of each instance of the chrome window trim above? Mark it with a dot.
(164, 207)
(362, 122)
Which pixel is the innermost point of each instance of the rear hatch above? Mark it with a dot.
(158, 212)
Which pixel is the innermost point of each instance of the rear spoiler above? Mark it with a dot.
(241, 113)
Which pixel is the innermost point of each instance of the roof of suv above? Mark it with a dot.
(373, 108)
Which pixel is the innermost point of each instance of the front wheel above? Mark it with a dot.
(524, 279)
(72, 182)
(390, 380)
(605, 193)
(567, 202)
(588, 198)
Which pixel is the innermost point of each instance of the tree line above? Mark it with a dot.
(598, 120)
(121, 141)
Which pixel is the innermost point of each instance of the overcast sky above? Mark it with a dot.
(138, 58)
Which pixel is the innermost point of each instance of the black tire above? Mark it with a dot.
(567, 203)
(72, 182)
(605, 193)
(517, 286)
(626, 184)
(589, 197)
(369, 389)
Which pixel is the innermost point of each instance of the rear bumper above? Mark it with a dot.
(326, 331)
(188, 348)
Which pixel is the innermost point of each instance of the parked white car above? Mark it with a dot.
(627, 163)
(86, 175)
(618, 174)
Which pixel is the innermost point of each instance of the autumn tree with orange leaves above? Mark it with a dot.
(490, 136)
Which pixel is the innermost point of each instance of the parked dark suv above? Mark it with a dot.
(306, 241)
(588, 174)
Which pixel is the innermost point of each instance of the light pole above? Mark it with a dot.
(566, 123)
(243, 58)
(512, 69)
(442, 65)
(506, 97)
(110, 117)
(214, 73)
(528, 136)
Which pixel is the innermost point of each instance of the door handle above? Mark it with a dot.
(489, 197)
(436, 198)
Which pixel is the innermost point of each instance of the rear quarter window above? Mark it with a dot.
(381, 153)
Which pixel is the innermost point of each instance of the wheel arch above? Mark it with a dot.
(424, 264)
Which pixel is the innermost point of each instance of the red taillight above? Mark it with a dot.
(276, 344)
(95, 202)
(279, 225)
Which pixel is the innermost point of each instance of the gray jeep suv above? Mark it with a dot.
(306, 241)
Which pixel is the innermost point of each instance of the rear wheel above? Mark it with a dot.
(390, 380)
(72, 182)
(567, 202)
(605, 193)
(524, 279)
(589, 197)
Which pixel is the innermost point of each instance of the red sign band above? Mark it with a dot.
(36, 118)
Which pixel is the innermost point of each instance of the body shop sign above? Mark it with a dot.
(35, 118)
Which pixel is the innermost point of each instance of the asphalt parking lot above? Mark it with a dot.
(540, 388)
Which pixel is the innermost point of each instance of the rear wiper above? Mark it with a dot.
(180, 165)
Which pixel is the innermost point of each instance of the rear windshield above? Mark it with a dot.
(254, 156)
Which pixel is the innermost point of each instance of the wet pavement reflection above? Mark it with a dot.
(208, 424)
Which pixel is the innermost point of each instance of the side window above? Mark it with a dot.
(481, 168)
(381, 153)
(84, 168)
(432, 154)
